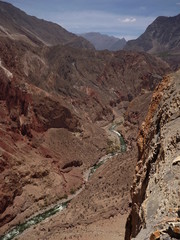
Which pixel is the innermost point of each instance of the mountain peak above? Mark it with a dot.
(161, 38)
(103, 41)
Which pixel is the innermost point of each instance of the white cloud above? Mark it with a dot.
(129, 20)
(178, 3)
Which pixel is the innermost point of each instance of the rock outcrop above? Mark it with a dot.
(156, 187)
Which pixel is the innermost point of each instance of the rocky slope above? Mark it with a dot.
(17, 25)
(162, 38)
(103, 42)
(51, 131)
(156, 187)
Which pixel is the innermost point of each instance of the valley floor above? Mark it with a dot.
(106, 229)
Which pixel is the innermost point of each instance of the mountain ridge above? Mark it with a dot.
(104, 42)
(161, 38)
(38, 31)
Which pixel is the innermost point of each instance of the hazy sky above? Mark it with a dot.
(121, 18)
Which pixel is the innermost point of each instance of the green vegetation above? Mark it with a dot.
(123, 144)
(95, 167)
(65, 196)
(33, 221)
(112, 147)
(72, 191)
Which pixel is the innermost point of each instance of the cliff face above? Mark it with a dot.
(156, 187)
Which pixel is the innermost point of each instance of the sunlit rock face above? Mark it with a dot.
(155, 191)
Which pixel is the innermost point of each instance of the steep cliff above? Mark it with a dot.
(156, 188)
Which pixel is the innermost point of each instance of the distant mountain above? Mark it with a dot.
(162, 38)
(102, 41)
(17, 25)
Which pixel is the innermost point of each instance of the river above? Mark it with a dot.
(64, 203)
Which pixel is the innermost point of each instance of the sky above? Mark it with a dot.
(119, 18)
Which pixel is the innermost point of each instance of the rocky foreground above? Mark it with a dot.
(155, 193)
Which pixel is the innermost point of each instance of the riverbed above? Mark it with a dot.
(64, 203)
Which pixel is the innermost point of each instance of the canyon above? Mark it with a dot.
(59, 99)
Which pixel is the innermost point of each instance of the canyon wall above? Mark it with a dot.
(156, 188)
